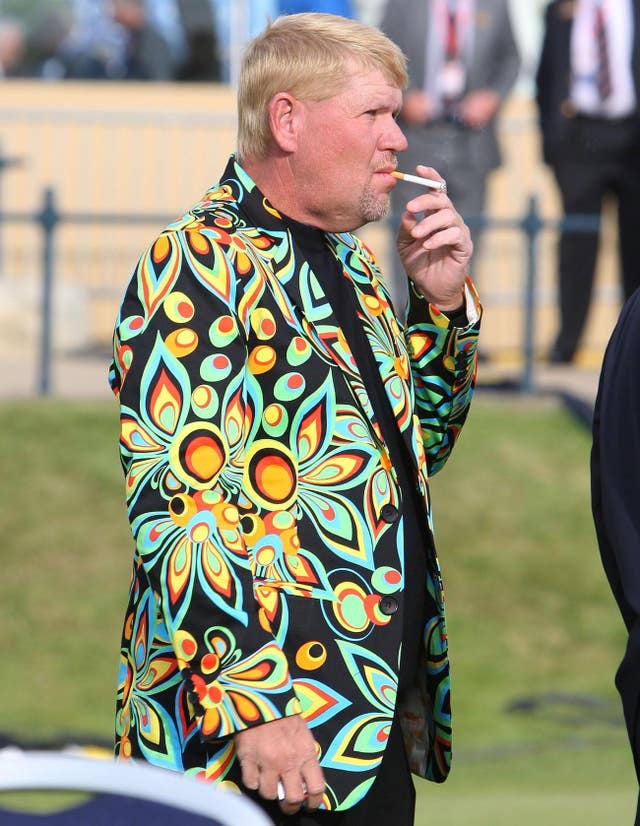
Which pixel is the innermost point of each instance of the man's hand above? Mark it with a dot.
(417, 107)
(282, 750)
(435, 249)
(478, 108)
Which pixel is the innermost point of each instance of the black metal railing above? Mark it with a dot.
(49, 218)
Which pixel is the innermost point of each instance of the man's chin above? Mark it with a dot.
(375, 208)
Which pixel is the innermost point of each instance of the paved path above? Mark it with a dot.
(85, 376)
(574, 384)
(72, 376)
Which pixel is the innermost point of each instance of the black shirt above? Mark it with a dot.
(312, 243)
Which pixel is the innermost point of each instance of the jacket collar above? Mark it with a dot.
(311, 306)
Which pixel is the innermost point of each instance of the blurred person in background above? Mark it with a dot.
(165, 16)
(588, 88)
(102, 40)
(52, 55)
(278, 427)
(146, 55)
(12, 47)
(615, 498)
(202, 59)
(48, 35)
(237, 22)
(341, 7)
(463, 62)
(94, 47)
(191, 31)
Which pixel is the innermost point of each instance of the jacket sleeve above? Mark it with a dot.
(443, 365)
(506, 57)
(555, 113)
(393, 22)
(180, 365)
(544, 68)
(615, 491)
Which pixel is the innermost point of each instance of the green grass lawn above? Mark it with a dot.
(531, 621)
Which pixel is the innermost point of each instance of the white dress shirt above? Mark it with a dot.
(584, 59)
(435, 57)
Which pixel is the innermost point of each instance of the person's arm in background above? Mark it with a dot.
(544, 70)
(552, 87)
(615, 492)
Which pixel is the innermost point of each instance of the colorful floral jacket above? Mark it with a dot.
(265, 510)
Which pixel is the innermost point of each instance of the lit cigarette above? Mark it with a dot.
(414, 179)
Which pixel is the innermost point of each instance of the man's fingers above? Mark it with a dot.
(428, 172)
(291, 793)
(436, 221)
(428, 202)
(268, 786)
(250, 774)
(281, 752)
(294, 792)
(314, 782)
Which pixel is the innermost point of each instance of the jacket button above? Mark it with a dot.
(388, 605)
(390, 513)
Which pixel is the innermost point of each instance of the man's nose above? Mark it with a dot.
(395, 139)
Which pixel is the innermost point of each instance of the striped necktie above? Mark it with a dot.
(603, 71)
(452, 46)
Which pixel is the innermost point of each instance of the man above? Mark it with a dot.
(463, 61)
(588, 92)
(12, 46)
(615, 494)
(279, 425)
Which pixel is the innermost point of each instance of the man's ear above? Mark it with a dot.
(284, 120)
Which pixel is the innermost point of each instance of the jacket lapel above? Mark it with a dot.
(385, 338)
(319, 323)
(300, 295)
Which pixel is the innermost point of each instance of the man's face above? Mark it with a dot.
(346, 150)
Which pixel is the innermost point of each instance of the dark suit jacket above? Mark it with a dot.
(269, 562)
(556, 113)
(615, 490)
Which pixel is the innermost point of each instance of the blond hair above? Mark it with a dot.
(306, 55)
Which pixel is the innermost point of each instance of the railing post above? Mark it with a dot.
(6, 162)
(531, 225)
(48, 218)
